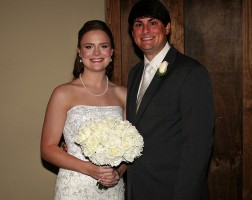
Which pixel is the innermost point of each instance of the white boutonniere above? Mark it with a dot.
(162, 69)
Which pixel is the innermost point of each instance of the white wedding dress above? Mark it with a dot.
(72, 185)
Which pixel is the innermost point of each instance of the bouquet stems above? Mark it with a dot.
(100, 186)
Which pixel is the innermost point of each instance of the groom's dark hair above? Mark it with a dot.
(149, 8)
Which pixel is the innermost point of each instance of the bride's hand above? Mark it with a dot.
(110, 180)
(64, 147)
(106, 175)
(98, 172)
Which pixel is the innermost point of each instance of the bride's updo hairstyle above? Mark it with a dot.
(90, 26)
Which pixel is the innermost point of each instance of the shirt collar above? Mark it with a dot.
(156, 61)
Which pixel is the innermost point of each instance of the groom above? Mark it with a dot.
(175, 114)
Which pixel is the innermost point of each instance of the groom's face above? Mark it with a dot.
(150, 35)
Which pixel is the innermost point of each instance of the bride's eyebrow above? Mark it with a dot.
(102, 43)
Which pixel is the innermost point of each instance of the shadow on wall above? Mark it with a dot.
(50, 167)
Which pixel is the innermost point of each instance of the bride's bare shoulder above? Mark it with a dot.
(66, 90)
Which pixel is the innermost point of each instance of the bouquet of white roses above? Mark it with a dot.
(110, 141)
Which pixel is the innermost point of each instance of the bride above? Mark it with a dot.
(90, 96)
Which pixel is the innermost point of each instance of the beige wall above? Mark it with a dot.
(37, 48)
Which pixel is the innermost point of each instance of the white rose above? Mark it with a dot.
(84, 133)
(100, 158)
(113, 139)
(115, 152)
(139, 141)
(129, 156)
(104, 138)
(127, 142)
(163, 67)
(92, 142)
(121, 126)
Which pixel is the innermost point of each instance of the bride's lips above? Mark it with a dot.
(96, 59)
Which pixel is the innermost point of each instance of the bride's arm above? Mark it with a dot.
(54, 121)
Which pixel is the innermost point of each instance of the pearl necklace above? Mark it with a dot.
(97, 95)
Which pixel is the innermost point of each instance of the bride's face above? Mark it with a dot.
(95, 50)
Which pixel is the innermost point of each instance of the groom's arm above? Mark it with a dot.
(197, 108)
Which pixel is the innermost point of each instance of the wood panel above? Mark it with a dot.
(213, 35)
(247, 100)
(113, 19)
(131, 55)
(176, 9)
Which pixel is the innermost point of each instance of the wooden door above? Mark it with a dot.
(213, 35)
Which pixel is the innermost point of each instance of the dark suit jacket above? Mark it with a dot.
(176, 120)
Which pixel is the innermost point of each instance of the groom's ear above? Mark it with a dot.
(168, 28)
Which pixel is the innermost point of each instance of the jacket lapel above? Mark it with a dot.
(133, 90)
(154, 85)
